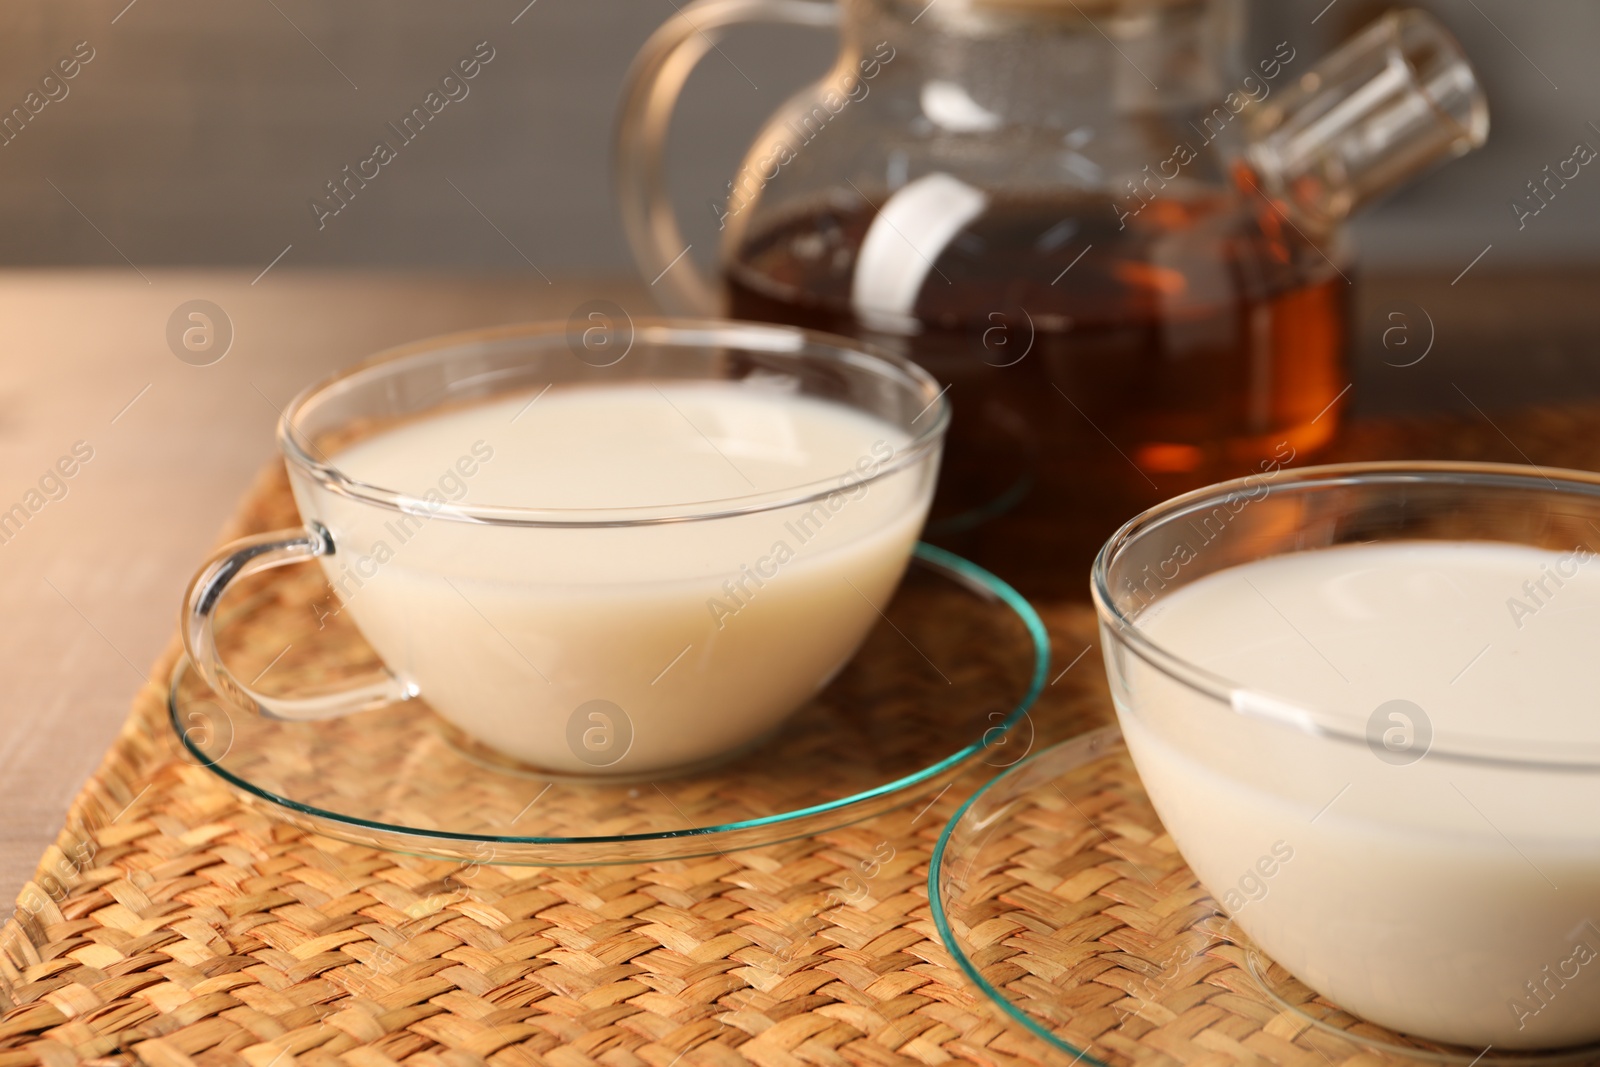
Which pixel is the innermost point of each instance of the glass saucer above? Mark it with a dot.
(1059, 894)
(957, 660)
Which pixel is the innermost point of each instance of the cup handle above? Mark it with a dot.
(198, 627)
(651, 90)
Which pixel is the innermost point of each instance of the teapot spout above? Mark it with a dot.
(1388, 104)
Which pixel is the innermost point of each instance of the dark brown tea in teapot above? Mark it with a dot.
(1097, 363)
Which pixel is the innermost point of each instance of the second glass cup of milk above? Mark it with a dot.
(1362, 700)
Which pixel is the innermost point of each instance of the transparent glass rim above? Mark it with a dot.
(664, 333)
(436, 842)
(1074, 752)
(1240, 699)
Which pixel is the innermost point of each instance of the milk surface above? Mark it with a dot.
(687, 639)
(627, 446)
(1453, 900)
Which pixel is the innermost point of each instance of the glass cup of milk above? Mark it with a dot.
(1365, 702)
(609, 548)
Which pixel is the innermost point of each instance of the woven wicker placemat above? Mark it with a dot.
(172, 924)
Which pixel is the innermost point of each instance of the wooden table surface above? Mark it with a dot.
(91, 583)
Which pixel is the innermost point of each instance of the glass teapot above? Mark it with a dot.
(1116, 241)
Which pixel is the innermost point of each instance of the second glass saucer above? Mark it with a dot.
(958, 658)
(1059, 894)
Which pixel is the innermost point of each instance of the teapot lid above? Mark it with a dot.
(1086, 6)
(956, 11)
(1074, 7)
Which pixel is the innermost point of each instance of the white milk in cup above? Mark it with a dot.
(623, 648)
(1436, 867)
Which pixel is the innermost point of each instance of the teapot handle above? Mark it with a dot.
(649, 95)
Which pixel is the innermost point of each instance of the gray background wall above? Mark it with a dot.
(202, 128)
